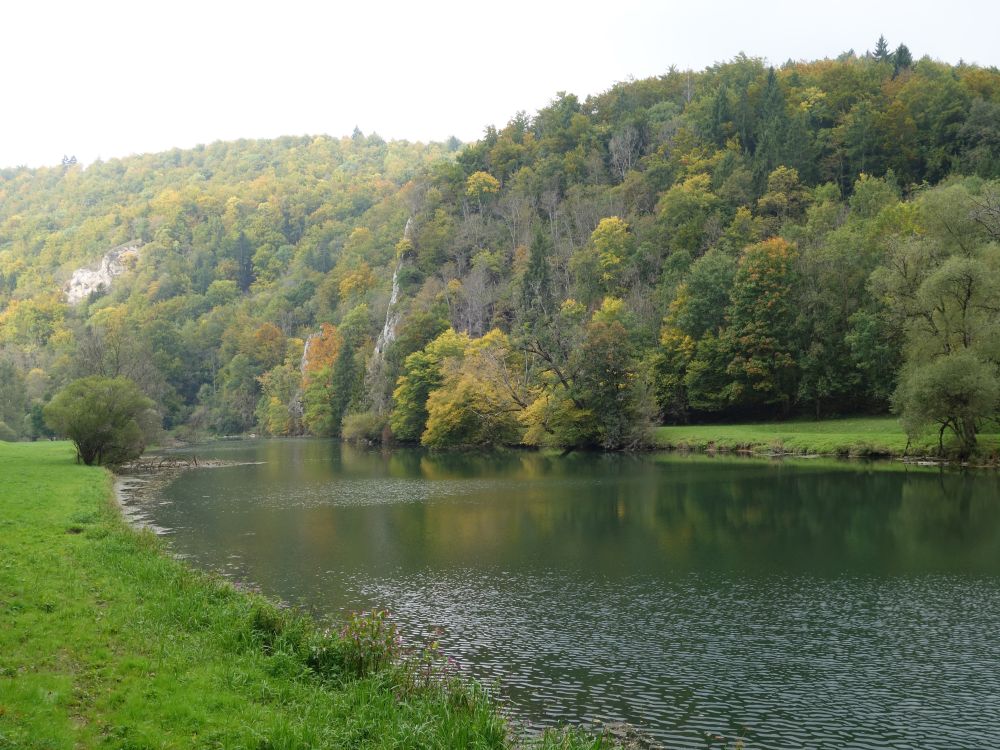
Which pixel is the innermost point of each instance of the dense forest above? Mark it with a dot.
(819, 238)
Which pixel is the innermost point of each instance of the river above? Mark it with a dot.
(805, 603)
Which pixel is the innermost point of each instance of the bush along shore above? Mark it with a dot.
(108, 642)
(871, 437)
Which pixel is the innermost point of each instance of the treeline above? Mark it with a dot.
(743, 241)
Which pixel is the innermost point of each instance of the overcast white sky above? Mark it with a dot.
(100, 79)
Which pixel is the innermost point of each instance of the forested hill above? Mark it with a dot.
(743, 241)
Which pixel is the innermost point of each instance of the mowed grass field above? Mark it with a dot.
(107, 642)
(865, 436)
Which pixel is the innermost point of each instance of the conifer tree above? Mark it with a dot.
(881, 53)
(901, 59)
(536, 287)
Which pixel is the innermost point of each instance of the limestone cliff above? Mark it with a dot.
(90, 279)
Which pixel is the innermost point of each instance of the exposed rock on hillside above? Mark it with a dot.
(85, 281)
(379, 387)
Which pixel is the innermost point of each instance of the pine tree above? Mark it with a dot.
(881, 50)
(244, 262)
(901, 59)
(721, 118)
(536, 287)
(772, 127)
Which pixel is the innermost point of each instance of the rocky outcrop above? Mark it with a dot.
(392, 312)
(304, 362)
(378, 387)
(297, 406)
(90, 279)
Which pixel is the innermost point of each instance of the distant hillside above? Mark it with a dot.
(698, 244)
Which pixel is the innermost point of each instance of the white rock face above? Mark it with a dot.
(375, 377)
(86, 281)
(304, 363)
(393, 315)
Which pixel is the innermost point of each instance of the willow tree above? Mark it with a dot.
(941, 287)
(109, 420)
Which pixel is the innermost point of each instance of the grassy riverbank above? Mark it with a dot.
(866, 436)
(106, 642)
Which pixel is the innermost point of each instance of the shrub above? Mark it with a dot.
(6, 433)
(108, 419)
(366, 426)
(371, 642)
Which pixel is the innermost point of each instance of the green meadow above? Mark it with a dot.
(869, 436)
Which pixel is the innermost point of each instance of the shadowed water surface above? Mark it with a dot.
(808, 603)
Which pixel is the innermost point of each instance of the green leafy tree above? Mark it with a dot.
(480, 398)
(242, 255)
(957, 392)
(613, 244)
(786, 198)
(13, 396)
(940, 287)
(109, 420)
(745, 229)
(707, 381)
(323, 351)
(317, 414)
(611, 388)
(831, 272)
(236, 399)
(122, 343)
(686, 212)
(861, 140)
(481, 186)
(876, 351)
(600, 397)
(34, 423)
(705, 294)
(346, 380)
(417, 330)
(278, 409)
(422, 374)
(761, 314)
(536, 303)
(979, 140)
(772, 126)
(902, 59)
(697, 313)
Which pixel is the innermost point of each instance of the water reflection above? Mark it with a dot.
(795, 603)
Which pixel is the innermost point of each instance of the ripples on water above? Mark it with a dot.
(700, 601)
(783, 662)
(364, 492)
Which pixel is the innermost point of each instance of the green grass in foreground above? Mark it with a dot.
(866, 436)
(106, 642)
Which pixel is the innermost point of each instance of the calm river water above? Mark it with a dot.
(793, 604)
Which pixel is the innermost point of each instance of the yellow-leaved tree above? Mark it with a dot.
(479, 397)
(323, 351)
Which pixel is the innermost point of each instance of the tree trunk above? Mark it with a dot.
(967, 437)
